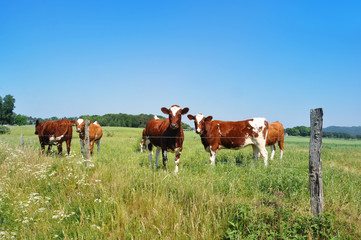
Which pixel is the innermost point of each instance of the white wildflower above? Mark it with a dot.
(98, 227)
(41, 209)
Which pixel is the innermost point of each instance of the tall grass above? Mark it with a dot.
(120, 197)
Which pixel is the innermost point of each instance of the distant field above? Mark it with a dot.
(120, 196)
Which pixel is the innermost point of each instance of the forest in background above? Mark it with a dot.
(8, 117)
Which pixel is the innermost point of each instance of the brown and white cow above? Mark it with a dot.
(276, 134)
(95, 134)
(216, 135)
(54, 133)
(167, 135)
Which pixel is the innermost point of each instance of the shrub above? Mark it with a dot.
(4, 130)
(282, 223)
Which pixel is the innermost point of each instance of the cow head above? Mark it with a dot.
(199, 122)
(80, 125)
(38, 125)
(175, 115)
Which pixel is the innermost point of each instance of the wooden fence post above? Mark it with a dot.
(87, 143)
(315, 171)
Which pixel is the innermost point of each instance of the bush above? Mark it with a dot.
(279, 224)
(4, 130)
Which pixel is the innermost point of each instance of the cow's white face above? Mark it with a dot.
(80, 125)
(174, 110)
(175, 115)
(199, 122)
(258, 125)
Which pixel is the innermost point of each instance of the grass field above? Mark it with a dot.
(120, 197)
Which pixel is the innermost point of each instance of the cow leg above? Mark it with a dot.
(141, 145)
(91, 147)
(49, 148)
(165, 159)
(264, 154)
(177, 159)
(82, 146)
(213, 153)
(157, 153)
(256, 153)
(150, 152)
(42, 148)
(68, 143)
(273, 150)
(282, 147)
(98, 146)
(60, 148)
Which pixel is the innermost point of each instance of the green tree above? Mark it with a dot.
(53, 119)
(20, 119)
(292, 131)
(304, 131)
(1, 111)
(8, 106)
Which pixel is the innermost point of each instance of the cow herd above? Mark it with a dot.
(56, 132)
(167, 135)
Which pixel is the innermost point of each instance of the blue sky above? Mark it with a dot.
(233, 60)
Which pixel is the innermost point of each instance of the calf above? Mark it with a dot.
(217, 135)
(166, 135)
(276, 134)
(54, 133)
(95, 134)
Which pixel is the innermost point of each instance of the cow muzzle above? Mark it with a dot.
(174, 126)
(78, 130)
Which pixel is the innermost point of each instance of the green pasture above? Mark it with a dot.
(119, 196)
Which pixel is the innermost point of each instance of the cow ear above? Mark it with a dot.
(165, 110)
(37, 123)
(72, 122)
(185, 110)
(209, 118)
(190, 117)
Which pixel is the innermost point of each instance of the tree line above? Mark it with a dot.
(306, 131)
(7, 116)
(125, 120)
(111, 120)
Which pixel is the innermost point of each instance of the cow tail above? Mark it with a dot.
(70, 124)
